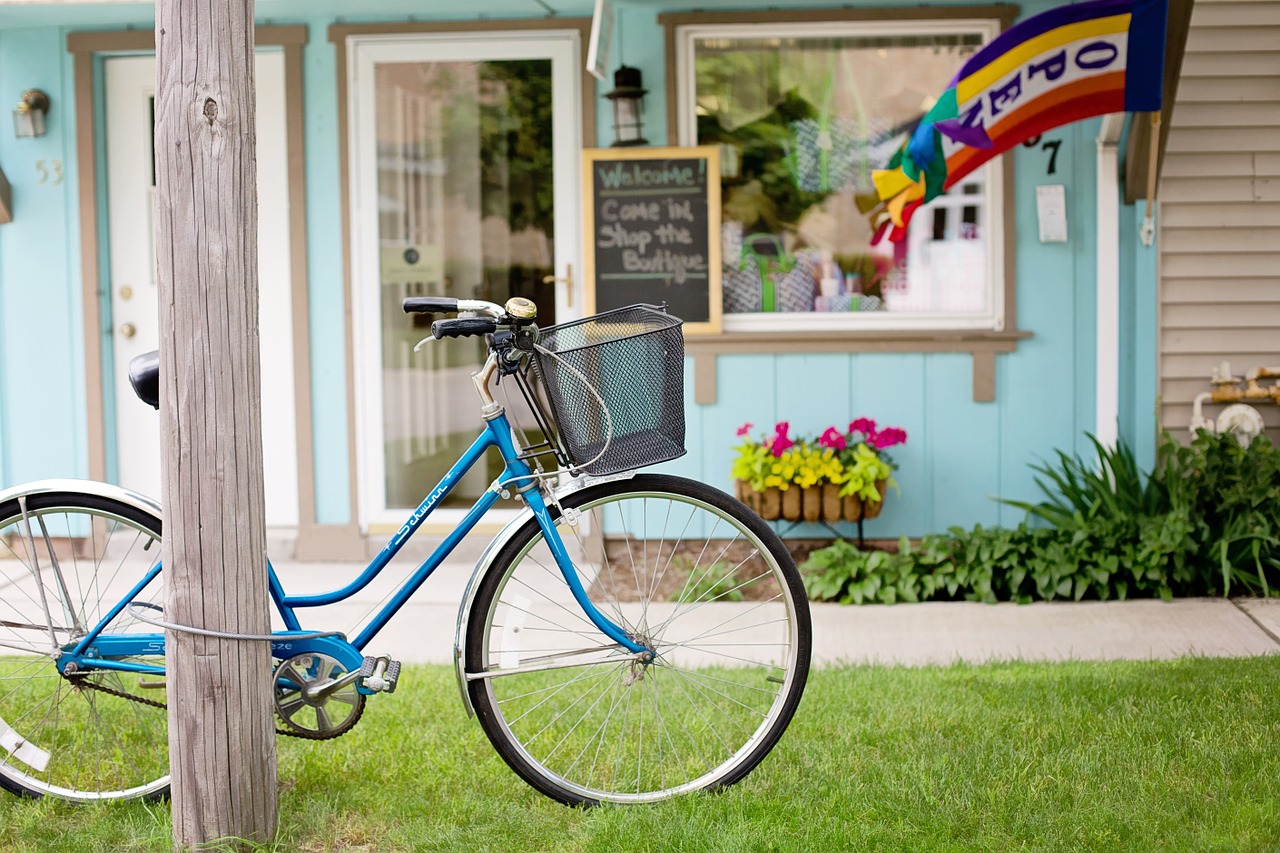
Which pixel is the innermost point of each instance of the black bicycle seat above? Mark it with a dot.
(144, 376)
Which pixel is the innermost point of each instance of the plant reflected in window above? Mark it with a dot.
(806, 114)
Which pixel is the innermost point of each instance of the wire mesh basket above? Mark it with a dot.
(633, 358)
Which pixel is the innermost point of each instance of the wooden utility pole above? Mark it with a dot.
(221, 732)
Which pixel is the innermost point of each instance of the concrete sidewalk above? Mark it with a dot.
(907, 634)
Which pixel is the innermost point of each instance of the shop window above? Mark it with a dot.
(803, 112)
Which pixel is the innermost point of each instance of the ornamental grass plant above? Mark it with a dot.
(1205, 521)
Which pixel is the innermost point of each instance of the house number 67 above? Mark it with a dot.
(1050, 145)
(49, 172)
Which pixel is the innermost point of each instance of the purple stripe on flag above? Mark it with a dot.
(1037, 25)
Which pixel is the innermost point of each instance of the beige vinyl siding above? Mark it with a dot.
(1220, 209)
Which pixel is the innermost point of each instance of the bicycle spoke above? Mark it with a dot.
(539, 690)
(722, 679)
(103, 740)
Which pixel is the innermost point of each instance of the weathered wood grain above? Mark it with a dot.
(221, 739)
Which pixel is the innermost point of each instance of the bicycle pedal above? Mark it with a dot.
(380, 674)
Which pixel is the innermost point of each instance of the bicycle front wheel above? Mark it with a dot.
(686, 571)
(97, 734)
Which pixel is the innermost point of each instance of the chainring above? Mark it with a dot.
(84, 681)
(306, 706)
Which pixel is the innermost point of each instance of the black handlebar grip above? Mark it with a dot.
(430, 305)
(462, 327)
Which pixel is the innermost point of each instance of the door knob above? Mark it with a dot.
(128, 330)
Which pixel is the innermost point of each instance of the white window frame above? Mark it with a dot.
(991, 174)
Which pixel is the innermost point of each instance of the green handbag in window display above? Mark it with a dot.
(743, 287)
(739, 273)
(769, 282)
(771, 268)
(796, 288)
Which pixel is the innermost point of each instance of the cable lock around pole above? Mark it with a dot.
(134, 606)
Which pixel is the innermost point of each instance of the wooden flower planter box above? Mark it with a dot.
(815, 503)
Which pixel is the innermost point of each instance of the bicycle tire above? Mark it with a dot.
(725, 684)
(97, 735)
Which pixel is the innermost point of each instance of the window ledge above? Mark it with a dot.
(982, 345)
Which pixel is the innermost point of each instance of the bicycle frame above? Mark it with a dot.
(98, 651)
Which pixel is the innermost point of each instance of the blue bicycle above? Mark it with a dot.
(627, 638)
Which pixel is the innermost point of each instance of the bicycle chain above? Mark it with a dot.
(84, 682)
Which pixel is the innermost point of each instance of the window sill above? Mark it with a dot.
(982, 345)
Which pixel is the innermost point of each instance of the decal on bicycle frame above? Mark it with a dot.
(425, 507)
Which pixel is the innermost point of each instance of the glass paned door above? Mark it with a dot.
(464, 162)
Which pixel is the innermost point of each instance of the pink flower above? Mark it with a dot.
(892, 436)
(745, 428)
(780, 441)
(833, 439)
(887, 437)
(866, 426)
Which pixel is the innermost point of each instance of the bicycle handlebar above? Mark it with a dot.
(518, 314)
(430, 305)
(450, 305)
(463, 327)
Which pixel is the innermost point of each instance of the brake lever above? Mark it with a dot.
(428, 339)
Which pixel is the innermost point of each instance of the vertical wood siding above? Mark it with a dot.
(1220, 209)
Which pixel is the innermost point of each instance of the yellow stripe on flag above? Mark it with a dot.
(992, 72)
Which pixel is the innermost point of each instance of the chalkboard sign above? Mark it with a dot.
(653, 231)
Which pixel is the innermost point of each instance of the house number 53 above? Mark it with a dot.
(49, 172)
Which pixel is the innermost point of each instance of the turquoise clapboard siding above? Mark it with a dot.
(42, 412)
(960, 454)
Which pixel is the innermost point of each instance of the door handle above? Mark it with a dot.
(128, 330)
(567, 278)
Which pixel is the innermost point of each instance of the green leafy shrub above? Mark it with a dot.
(1205, 522)
(718, 582)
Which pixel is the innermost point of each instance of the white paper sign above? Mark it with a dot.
(1051, 209)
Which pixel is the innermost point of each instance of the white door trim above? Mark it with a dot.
(129, 83)
(364, 52)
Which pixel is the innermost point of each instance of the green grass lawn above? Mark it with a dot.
(1126, 756)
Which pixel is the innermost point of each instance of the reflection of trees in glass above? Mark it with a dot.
(733, 86)
(766, 196)
(515, 143)
(751, 92)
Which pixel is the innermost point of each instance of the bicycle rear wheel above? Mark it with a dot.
(684, 569)
(94, 735)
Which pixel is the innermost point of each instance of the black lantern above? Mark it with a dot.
(628, 106)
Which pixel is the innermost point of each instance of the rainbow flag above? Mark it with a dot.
(1069, 63)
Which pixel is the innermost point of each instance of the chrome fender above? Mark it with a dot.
(483, 565)
(83, 487)
(486, 562)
